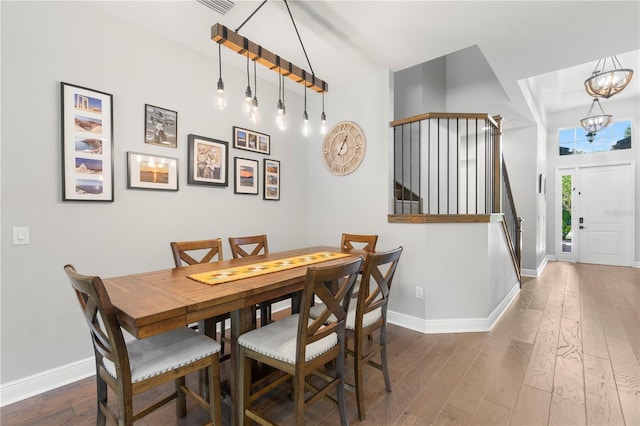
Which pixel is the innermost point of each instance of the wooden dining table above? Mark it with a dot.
(150, 303)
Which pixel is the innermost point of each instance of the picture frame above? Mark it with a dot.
(208, 161)
(271, 180)
(250, 140)
(160, 126)
(246, 176)
(150, 171)
(87, 144)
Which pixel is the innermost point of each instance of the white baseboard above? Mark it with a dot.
(454, 325)
(637, 265)
(20, 389)
(538, 271)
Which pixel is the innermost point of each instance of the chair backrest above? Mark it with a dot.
(100, 314)
(332, 285)
(257, 244)
(363, 242)
(377, 275)
(184, 251)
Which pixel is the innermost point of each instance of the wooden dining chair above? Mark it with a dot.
(360, 242)
(298, 346)
(254, 246)
(370, 315)
(202, 251)
(130, 368)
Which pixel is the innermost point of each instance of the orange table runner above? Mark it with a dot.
(231, 274)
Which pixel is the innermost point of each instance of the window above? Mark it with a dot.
(617, 136)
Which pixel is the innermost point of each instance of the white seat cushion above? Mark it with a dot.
(368, 319)
(279, 339)
(164, 352)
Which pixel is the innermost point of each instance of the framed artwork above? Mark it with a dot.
(87, 144)
(160, 126)
(271, 189)
(146, 171)
(251, 141)
(208, 161)
(246, 176)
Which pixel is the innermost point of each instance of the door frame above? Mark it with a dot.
(575, 169)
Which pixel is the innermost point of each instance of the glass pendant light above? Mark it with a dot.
(255, 117)
(281, 113)
(323, 119)
(221, 102)
(306, 131)
(248, 102)
(606, 83)
(595, 123)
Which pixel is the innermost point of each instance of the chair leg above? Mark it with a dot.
(101, 386)
(215, 396)
(244, 382)
(299, 391)
(342, 402)
(358, 373)
(383, 357)
(181, 402)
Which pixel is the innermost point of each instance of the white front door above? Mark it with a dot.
(604, 221)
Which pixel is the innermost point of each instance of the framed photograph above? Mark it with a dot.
(208, 161)
(246, 176)
(251, 141)
(87, 144)
(271, 188)
(146, 171)
(160, 126)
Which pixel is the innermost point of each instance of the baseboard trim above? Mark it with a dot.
(538, 271)
(27, 387)
(454, 325)
(637, 265)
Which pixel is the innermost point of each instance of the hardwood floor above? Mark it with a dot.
(566, 352)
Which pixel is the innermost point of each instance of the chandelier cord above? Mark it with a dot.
(251, 16)
(299, 38)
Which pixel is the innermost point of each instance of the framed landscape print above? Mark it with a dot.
(87, 144)
(251, 141)
(271, 190)
(145, 171)
(246, 176)
(208, 161)
(160, 126)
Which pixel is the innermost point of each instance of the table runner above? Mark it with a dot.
(231, 274)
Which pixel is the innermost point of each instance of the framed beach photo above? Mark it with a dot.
(271, 180)
(246, 176)
(87, 144)
(208, 161)
(160, 126)
(146, 171)
(250, 140)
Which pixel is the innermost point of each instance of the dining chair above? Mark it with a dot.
(202, 251)
(369, 315)
(130, 368)
(297, 346)
(254, 246)
(362, 242)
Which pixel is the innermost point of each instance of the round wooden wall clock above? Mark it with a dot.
(343, 148)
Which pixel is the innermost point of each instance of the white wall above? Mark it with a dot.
(621, 110)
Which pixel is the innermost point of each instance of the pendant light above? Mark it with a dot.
(595, 123)
(281, 113)
(221, 102)
(605, 83)
(305, 117)
(323, 119)
(248, 101)
(255, 117)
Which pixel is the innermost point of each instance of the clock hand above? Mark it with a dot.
(342, 145)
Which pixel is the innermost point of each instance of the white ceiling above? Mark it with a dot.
(556, 42)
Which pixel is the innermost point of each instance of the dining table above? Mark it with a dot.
(149, 303)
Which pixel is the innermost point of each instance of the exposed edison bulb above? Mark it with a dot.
(323, 123)
(255, 116)
(281, 116)
(221, 101)
(248, 102)
(306, 130)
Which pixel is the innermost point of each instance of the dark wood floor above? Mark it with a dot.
(565, 353)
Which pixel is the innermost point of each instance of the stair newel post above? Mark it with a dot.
(497, 166)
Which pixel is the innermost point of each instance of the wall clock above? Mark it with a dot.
(343, 148)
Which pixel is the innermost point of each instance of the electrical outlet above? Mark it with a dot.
(419, 294)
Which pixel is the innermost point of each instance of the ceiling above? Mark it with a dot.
(553, 42)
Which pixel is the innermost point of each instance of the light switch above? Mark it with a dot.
(21, 235)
